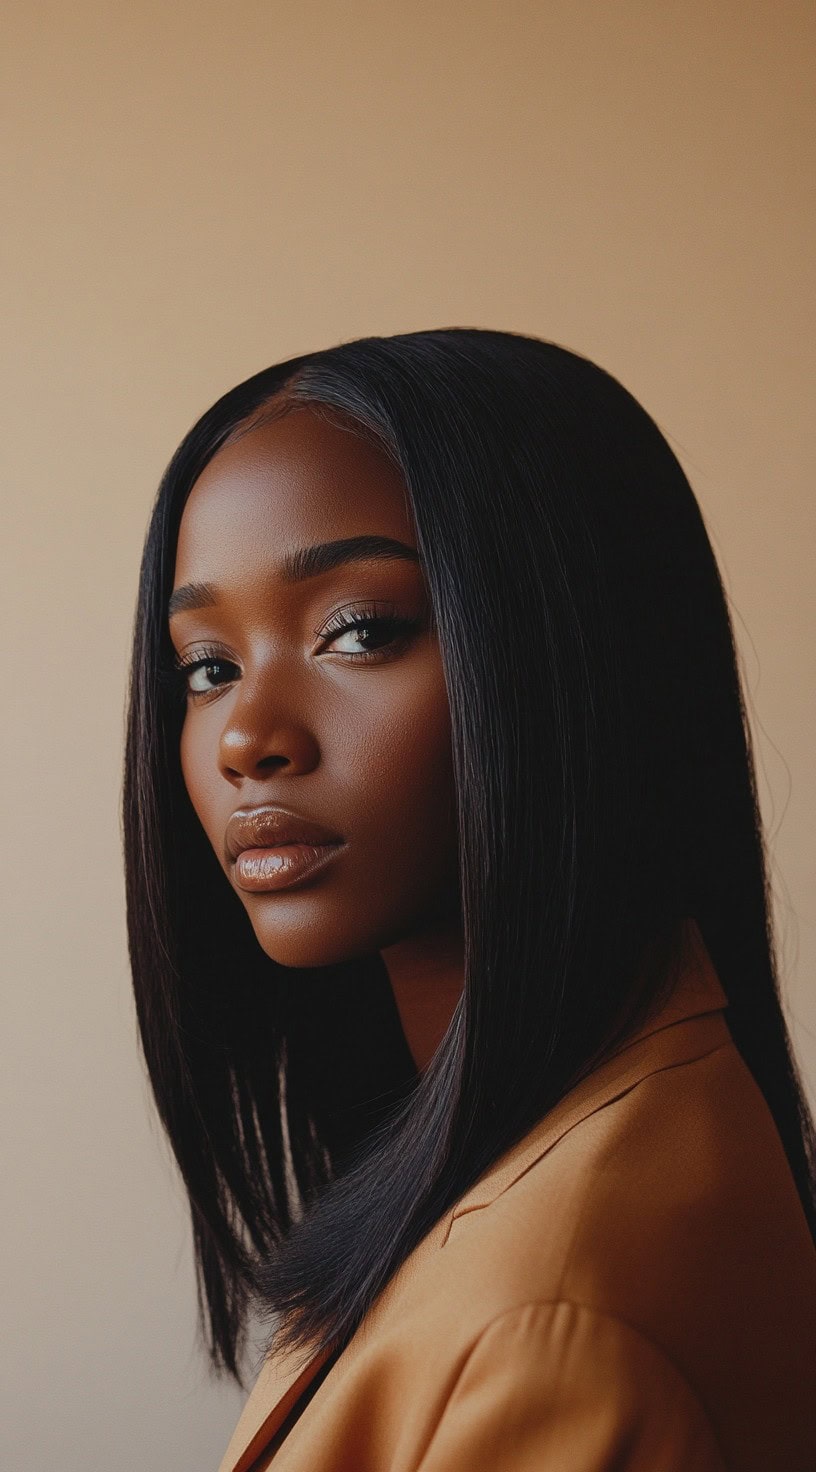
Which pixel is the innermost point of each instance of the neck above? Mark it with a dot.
(426, 973)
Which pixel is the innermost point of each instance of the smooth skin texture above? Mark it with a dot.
(350, 729)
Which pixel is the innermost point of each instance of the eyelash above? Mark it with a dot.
(176, 673)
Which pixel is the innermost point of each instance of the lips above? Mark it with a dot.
(273, 827)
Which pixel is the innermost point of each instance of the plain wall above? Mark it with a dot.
(194, 191)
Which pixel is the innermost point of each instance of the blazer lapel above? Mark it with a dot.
(282, 1379)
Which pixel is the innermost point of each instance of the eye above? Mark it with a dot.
(201, 672)
(380, 633)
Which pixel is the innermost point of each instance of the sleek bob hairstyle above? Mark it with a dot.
(605, 790)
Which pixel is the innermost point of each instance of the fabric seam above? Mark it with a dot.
(592, 1313)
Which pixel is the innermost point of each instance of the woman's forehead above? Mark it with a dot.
(290, 482)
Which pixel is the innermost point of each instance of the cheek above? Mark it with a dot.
(401, 768)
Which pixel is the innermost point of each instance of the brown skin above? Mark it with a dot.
(286, 715)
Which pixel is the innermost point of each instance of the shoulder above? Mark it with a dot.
(558, 1384)
(680, 1164)
(659, 1236)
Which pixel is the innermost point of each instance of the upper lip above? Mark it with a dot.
(270, 827)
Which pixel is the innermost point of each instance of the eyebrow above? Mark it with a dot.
(306, 562)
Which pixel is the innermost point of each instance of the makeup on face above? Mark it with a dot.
(273, 848)
(258, 870)
(315, 743)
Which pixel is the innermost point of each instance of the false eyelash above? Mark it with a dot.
(366, 614)
(175, 664)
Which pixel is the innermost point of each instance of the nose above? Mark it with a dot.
(257, 739)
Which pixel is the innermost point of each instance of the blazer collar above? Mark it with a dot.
(689, 1024)
(697, 998)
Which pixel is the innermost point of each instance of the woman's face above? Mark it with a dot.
(348, 728)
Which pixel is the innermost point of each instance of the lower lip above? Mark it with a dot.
(261, 869)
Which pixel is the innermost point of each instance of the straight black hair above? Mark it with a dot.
(605, 790)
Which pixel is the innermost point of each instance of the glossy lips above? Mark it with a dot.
(271, 848)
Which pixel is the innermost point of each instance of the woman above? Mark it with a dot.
(450, 930)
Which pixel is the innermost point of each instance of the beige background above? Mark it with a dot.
(195, 191)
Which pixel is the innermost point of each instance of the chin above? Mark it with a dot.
(311, 926)
(300, 940)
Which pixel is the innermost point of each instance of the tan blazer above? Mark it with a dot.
(632, 1287)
